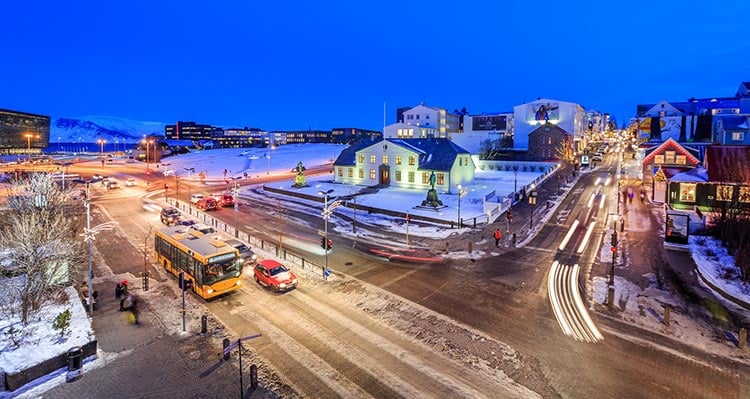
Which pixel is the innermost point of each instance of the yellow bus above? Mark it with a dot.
(211, 266)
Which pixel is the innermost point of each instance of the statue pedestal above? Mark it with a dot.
(432, 202)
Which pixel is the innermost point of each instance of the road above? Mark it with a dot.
(327, 346)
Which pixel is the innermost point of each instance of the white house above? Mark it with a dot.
(407, 131)
(568, 116)
(406, 163)
(424, 121)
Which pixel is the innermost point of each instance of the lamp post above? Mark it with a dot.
(268, 157)
(88, 236)
(532, 202)
(461, 193)
(28, 144)
(515, 181)
(101, 146)
(189, 171)
(235, 191)
(326, 214)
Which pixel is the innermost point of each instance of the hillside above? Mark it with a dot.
(89, 129)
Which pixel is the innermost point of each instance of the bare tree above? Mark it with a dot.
(41, 256)
(564, 152)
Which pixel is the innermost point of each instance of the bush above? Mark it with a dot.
(62, 322)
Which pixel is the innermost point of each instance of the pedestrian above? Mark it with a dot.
(643, 195)
(497, 236)
(130, 303)
(121, 292)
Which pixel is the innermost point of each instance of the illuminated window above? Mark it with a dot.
(744, 194)
(351, 172)
(372, 158)
(681, 160)
(738, 136)
(669, 157)
(440, 179)
(425, 178)
(398, 175)
(687, 192)
(398, 159)
(372, 174)
(385, 159)
(659, 159)
(361, 173)
(412, 160)
(361, 158)
(724, 193)
(341, 172)
(411, 177)
(460, 161)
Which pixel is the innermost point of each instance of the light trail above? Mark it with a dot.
(586, 237)
(567, 304)
(569, 234)
(591, 200)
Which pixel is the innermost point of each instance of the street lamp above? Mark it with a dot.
(101, 146)
(28, 144)
(532, 202)
(189, 172)
(88, 236)
(235, 191)
(461, 193)
(515, 181)
(326, 214)
(268, 157)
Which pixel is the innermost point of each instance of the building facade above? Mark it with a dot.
(568, 116)
(549, 142)
(239, 138)
(405, 163)
(191, 131)
(349, 135)
(23, 133)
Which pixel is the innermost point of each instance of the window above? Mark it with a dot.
(687, 192)
(372, 174)
(361, 173)
(425, 178)
(738, 136)
(724, 193)
(440, 179)
(398, 175)
(361, 158)
(549, 140)
(372, 158)
(412, 160)
(351, 172)
(398, 159)
(744, 194)
(385, 159)
(681, 160)
(411, 177)
(417, 116)
(669, 157)
(659, 159)
(341, 172)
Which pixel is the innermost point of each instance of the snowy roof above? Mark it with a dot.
(734, 123)
(696, 175)
(434, 153)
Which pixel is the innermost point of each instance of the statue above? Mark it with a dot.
(299, 180)
(432, 197)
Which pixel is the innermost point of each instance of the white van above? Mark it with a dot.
(195, 198)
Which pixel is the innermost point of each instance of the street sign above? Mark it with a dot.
(334, 204)
(327, 272)
(321, 233)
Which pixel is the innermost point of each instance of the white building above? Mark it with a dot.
(482, 127)
(423, 121)
(568, 116)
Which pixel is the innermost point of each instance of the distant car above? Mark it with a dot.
(97, 176)
(246, 254)
(131, 182)
(111, 185)
(207, 204)
(105, 180)
(597, 157)
(272, 274)
(195, 198)
(170, 216)
(186, 222)
(603, 179)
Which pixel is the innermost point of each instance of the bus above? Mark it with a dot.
(211, 266)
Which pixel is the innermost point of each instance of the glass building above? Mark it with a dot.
(23, 133)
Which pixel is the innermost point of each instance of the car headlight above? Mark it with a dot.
(239, 282)
(294, 281)
(282, 285)
(209, 291)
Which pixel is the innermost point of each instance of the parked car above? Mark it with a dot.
(246, 254)
(170, 216)
(131, 182)
(597, 157)
(186, 222)
(207, 204)
(272, 274)
(195, 198)
(111, 185)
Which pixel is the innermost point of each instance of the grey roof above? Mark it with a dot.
(434, 153)
(204, 244)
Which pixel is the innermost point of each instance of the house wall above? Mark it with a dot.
(544, 144)
(568, 116)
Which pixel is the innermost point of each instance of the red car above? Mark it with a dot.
(226, 199)
(274, 275)
(207, 204)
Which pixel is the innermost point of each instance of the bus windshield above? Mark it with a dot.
(218, 271)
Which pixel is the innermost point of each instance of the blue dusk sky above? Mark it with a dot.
(285, 65)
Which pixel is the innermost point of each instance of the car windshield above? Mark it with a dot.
(215, 272)
(278, 270)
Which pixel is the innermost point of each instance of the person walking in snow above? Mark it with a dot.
(497, 236)
(121, 292)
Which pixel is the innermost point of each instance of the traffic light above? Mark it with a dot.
(329, 244)
(148, 172)
(614, 239)
(323, 242)
(510, 215)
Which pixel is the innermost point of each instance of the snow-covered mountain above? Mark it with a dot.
(89, 129)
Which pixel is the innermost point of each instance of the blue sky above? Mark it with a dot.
(298, 65)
